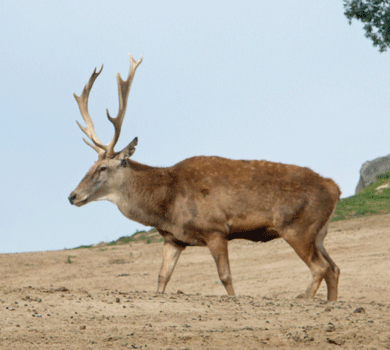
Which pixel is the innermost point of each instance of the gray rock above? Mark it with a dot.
(370, 170)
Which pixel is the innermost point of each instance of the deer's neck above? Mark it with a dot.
(144, 193)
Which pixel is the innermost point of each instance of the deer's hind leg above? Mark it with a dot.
(306, 246)
(333, 273)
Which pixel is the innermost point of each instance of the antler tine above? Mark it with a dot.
(123, 91)
(89, 130)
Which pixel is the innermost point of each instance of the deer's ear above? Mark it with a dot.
(128, 151)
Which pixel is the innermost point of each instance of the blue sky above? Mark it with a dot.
(284, 81)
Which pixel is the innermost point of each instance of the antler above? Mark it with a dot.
(123, 91)
(82, 101)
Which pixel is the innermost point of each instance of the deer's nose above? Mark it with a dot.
(71, 198)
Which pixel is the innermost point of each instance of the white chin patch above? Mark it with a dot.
(113, 198)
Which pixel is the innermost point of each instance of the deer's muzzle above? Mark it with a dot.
(72, 197)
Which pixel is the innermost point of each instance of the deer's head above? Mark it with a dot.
(103, 180)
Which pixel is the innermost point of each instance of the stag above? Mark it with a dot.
(208, 201)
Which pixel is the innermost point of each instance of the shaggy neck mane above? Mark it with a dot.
(149, 194)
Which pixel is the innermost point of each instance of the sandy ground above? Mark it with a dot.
(104, 297)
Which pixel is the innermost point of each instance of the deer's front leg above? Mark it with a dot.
(218, 246)
(171, 254)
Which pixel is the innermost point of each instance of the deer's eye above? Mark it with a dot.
(103, 168)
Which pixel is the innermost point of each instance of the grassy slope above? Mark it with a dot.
(367, 202)
(151, 236)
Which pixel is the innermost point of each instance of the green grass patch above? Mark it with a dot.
(69, 261)
(151, 236)
(370, 201)
(84, 246)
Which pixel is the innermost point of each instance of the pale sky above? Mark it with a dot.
(286, 81)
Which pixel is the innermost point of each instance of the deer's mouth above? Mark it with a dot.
(74, 200)
(81, 203)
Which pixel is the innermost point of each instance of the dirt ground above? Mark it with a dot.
(104, 297)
